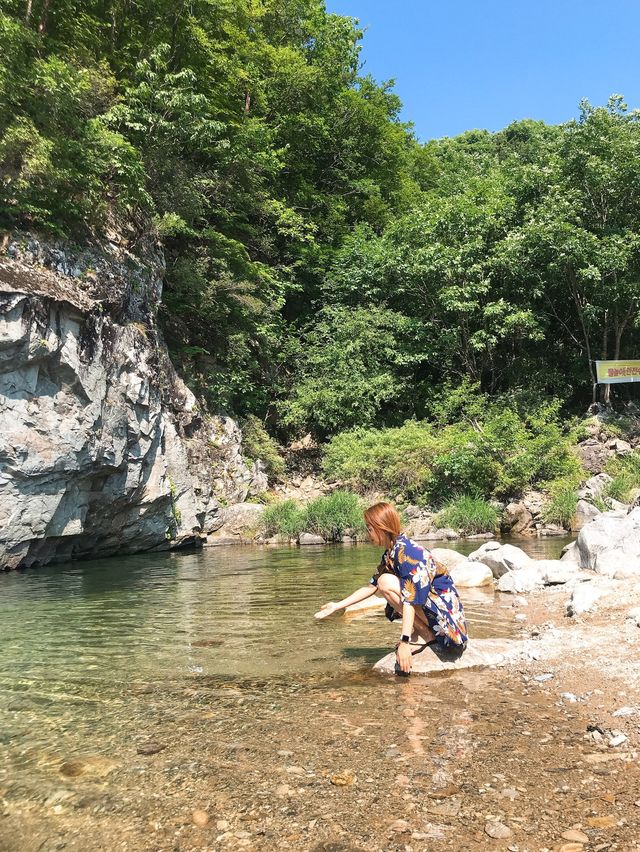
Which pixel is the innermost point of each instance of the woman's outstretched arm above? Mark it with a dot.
(333, 606)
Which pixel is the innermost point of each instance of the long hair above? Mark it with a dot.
(385, 521)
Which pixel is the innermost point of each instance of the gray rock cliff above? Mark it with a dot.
(103, 449)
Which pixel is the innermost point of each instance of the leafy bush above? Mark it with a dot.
(469, 515)
(330, 516)
(284, 518)
(563, 497)
(258, 444)
(499, 456)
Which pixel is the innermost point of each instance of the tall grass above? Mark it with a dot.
(284, 518)
(625, 471)
(329, 516)
(561, 506)
(469, 515)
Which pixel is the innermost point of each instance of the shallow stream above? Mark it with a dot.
(134, 691)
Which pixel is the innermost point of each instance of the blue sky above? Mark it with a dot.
(464, 64)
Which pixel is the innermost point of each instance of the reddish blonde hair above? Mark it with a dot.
(385, 521)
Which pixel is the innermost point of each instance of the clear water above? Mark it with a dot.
(95, 656)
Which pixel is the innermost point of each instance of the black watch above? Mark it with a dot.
(405, 638)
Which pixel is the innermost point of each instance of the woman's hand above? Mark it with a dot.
(403, 656)
(327, 609)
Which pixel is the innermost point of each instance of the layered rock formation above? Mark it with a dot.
(103, 449)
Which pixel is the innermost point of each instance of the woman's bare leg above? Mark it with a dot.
(389, 588)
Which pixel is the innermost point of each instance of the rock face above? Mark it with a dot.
(609, 545)
(103, 449)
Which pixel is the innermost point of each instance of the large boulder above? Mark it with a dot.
(523, 580)
(471, 574)
(447, 556)
(538, 573)
(593, 455)
(500, 557)
(584, 513)
(610, 544)
(593, 488)
(516, 518)
(240, 525)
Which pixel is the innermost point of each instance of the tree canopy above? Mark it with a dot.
(325, 270)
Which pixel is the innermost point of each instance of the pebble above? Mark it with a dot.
(150, 748)
(575, 835)
(571, 847)
(569, 696)
(509, 793)
(222, 824)
(342, 779)
(625, 711)
(497, 830)
(543, 678)
(601, 821)
(283, 790)
(399, 825)
(200, 818)
(617, 740)
(521, 616)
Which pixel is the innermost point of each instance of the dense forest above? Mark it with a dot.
(326, 271)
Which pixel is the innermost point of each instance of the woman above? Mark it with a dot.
(417, 589)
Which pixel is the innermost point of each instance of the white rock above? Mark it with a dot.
(584, 598)
(594, 486)
(471, 574)
(500, 557)
(523, 580)
(634, 615)
(555, 572)
(310, 538)
(447, 556)
(610, 544)
(585, 512)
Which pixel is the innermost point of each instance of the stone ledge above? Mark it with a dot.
(480, 653)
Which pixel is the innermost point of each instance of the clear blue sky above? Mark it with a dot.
(464, 64)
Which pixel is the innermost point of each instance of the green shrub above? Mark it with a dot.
(284, 518)
(561, 506)
(497, 456)
(258, 444)
(625, 471)
(469, 515)
(330, 516)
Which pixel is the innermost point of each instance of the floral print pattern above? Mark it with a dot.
(427, 584)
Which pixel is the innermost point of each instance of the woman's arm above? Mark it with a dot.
(403, 651)
(359, 595)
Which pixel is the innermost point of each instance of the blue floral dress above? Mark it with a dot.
(427, 584)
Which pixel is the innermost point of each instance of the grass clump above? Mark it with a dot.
(328, 516)
(332, 515)
(469, 515)
(285, 518)
(561, 506)
(625, 471)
